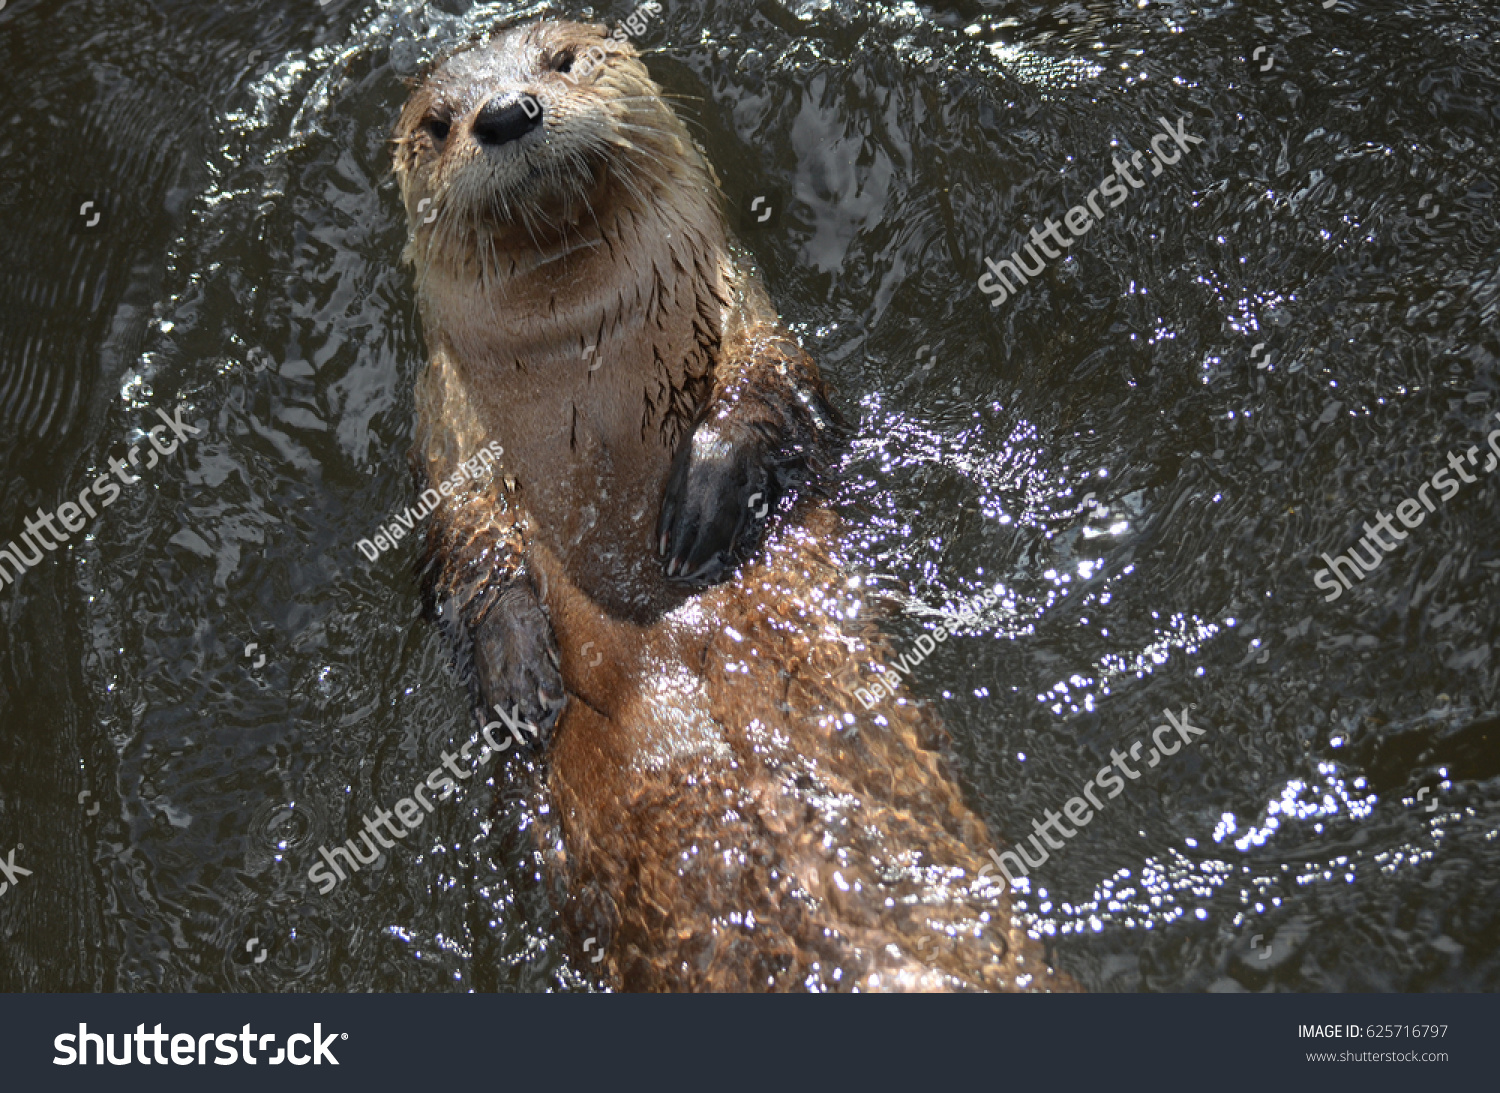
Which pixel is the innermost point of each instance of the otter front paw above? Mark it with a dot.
(723, 485)
(516, 665)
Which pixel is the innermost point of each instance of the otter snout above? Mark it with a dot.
(506, 118)
(539, 133)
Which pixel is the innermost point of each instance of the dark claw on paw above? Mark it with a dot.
(722, 489)
(515, 661)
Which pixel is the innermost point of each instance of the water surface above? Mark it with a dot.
(1148, 492)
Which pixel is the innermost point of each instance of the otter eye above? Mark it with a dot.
(438, 128)
(563, 62)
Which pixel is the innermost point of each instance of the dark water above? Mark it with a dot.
(1108, 449)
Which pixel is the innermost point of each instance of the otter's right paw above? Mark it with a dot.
(515, 660)
(724, 482)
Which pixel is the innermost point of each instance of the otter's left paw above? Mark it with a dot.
(724, 483)
(515, 659)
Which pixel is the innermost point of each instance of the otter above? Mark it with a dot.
(652, 580)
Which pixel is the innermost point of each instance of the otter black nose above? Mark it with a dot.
(501, 121)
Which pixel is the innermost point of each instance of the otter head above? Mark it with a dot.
(532, 145)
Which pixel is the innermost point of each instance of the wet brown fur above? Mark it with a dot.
(725, 814)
